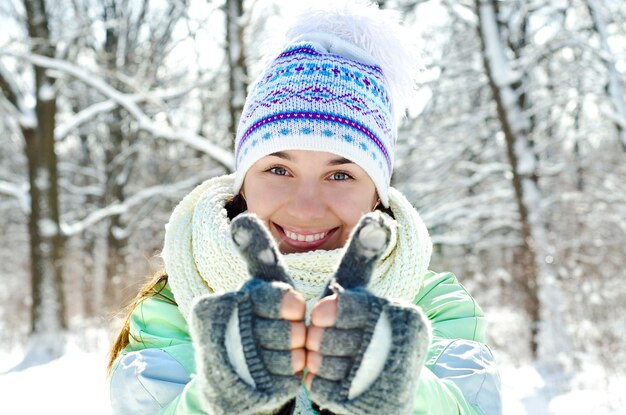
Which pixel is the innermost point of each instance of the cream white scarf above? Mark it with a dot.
(200, 256)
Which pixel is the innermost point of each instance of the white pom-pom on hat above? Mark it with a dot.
(378, 36)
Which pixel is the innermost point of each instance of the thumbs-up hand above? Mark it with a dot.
(249, 344)
(364, 353)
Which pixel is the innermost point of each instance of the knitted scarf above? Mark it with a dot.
(200, 256)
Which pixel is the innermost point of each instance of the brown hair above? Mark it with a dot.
(152, 288)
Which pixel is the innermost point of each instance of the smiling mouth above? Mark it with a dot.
(309, 241)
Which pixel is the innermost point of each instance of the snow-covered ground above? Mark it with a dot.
(589, 392)
(75, 384)
(72, 384)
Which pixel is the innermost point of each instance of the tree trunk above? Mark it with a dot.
(117, 172)
(549, 337)
(91, 299)
(116, 161)
(238, 73)
(48, 307)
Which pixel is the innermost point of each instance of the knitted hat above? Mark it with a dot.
(337, 86)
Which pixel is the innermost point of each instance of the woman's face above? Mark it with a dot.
(308, 199)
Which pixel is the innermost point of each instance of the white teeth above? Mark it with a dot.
(305, 238)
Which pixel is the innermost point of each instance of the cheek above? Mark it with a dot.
(349, 207)
(263, 197)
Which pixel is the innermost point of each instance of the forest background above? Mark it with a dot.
(512, 151)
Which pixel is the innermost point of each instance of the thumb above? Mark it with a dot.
(367, 243)
(258, 249)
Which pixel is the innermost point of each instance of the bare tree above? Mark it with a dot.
(133, 83)
(549, 337)
(46, 242)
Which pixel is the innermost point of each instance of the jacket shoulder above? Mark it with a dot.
(157, 322)
(452, 311)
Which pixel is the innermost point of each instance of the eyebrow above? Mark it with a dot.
(333, 162)
(281, 155)
(338, 161)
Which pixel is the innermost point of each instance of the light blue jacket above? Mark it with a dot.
(155, 373)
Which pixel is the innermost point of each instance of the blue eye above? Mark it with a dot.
(279, 171)
(340, 176)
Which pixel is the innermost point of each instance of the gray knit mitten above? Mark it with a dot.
(372, 357)
(242, 345)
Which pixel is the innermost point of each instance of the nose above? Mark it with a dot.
(306, 202)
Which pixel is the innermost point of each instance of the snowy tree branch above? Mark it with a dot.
(567, 40)
(9, 89)
(615, 88)
(222, 156)
(137, 199)
(81, 190)
(108, 105)
(463, 13)
(19, 192)
(73, 169)
(13, 99)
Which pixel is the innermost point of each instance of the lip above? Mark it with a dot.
(304, 245)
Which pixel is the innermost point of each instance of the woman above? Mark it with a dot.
(223, 332)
